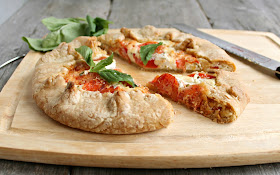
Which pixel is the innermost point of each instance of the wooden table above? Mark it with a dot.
(22, 18)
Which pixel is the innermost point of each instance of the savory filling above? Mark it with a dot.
(91, 81)
(189, 91)
(183, 89)
(165, 56)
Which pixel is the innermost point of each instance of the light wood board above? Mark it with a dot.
(190, 141)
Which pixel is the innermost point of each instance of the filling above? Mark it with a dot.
(178, 86)
(164, 57)
(91, 81)
(189, 91)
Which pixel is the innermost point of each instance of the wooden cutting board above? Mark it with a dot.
(192, 140)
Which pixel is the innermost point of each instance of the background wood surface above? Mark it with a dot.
(256, 15)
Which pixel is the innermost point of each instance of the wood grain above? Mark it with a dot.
(268, 169)
(190, 141)
(25, 168)
(254, 15)
(133, 13)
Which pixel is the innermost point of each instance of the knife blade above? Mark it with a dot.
(261, 60)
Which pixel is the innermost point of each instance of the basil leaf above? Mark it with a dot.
(91, 26)
(52, 40)
(86, 52)
(147, 51)
(103, 63)
(97, 26)
(72, 31)
(36, 44)
(65, 34)
(108, 74)
(116, 76)
(102, 25)
(54, 24)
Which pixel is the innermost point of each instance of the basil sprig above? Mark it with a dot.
(100, 68)
(67, 29)
(97, 26)
(147, 51)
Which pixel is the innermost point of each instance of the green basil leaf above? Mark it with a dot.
(116, 76)
(65, 34)
(36, 44)
(102, 24)
(91, 26)
(147, 51)
(72, 31)
(54, 24)
(103, 63)
(86, 52)
(97, 26)
(52, 40)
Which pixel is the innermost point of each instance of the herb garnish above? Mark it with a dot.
(147, 51)
(109, 75)
(67, 29)
(97, 26)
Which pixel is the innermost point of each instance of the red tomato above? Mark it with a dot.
(167, 84)
(98, 85)
(150, 64)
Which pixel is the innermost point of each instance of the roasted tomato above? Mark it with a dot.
(98, 85)
(166, 84)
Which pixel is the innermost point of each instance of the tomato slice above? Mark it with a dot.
(150, 64)
(98, 85)
(166, 84)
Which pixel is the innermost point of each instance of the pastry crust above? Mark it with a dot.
(210, 56)
(122, 112)
(222, 102)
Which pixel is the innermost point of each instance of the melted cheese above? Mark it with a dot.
(186, 80)
(164, 60)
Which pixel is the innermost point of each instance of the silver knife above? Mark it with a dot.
(234, 49)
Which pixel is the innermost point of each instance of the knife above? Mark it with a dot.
(234, 49)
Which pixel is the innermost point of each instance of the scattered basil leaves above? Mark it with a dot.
(147, 51)
(36, 44)
(54, 24)
(100, 68)
(65, 30)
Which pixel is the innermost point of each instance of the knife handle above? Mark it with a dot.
(277, 73)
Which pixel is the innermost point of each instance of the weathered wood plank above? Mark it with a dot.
(133, 13)
(27, 22)
(257, 15)
(24, 168)
(11, 7)
(268, 169)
